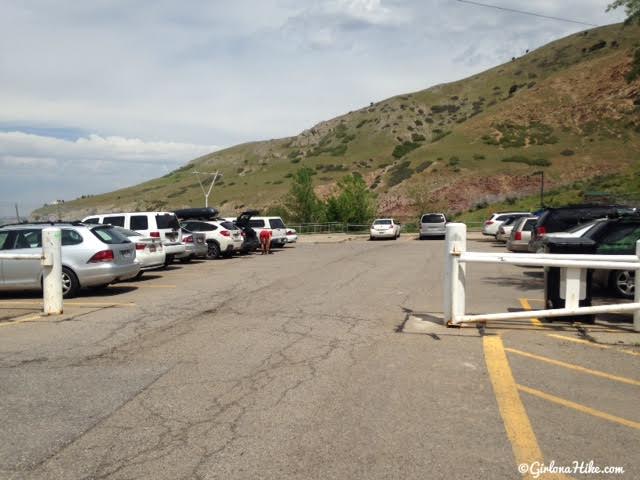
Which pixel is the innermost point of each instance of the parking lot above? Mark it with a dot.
(324, 360)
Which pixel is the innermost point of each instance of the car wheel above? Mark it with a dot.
(370, 238)
(168, 260)
(70, 284)
(139, 275)
(213, 251)
(622, 283)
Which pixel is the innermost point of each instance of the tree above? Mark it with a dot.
(302, 202)
(420, 195)
(631, 8)
(355, 202)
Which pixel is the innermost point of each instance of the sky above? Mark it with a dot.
(100, 95)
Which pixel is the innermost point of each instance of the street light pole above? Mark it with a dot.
(206, 193)
(541, 173)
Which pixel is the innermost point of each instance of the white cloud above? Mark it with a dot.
(85, 163)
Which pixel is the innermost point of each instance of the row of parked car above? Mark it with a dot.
(111, 247)
(574, 229)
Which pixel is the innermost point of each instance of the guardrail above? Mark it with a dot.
(575, 266)
(51, 261)
(333, 227)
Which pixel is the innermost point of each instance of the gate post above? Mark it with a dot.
(52, 270)
(636, 290)
(454, 272)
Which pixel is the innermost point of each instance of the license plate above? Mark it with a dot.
(125, 253)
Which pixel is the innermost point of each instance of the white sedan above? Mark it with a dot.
(150, 253)
(384, 228)
(292, 235)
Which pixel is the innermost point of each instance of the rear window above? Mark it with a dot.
(91, 220)
(3, 239)
(433, 218)
(118, 221)
(109, 235)
(139, 222)
(529, 224)
(229, 225)
(128, 233)
(276, 223)
(382, 222)
(256, 223)
(167, 220)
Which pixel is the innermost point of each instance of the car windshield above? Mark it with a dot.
(582, 227)
(382, 222)
(109, 235)
(433, 218)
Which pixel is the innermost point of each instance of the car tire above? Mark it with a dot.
(70, 284)
(213, 252)
(622, 283)
(168, 260)
(370, 238)
(139, 275)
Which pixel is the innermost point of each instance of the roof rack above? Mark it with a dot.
(75, 223)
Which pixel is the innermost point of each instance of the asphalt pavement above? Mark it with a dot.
(324, 360)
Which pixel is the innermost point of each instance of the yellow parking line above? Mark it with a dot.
(523, 440)
(144, 286)
(32, 318)
(571, 366)
(534, 321)
(592, 344)
(579, 407)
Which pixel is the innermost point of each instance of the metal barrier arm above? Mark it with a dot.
(456, 257)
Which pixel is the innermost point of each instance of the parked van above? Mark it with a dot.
(433, 225)
(162, 225)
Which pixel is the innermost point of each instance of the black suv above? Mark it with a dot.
(610, 237)
(562, 219)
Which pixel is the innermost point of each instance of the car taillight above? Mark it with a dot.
(289, 232)
(102, 256)
(225, 233)
(188, 239)
(488, 222)
(541, 230)
(155, 234)
(140, 246)
(243, 234)
(518, 236)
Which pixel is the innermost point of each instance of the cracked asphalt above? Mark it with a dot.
(284, 366)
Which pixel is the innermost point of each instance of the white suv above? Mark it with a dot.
(491, 226)
(275, 224)
(223, 237)
(162, 225)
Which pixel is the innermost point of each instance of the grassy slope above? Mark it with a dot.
(568, 97)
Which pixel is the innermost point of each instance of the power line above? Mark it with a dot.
(513, 10)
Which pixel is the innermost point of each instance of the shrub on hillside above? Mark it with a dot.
(538, 162)
(423, 166)
(416, 137)
(634, 73)
(401, 150)
(399, 173)
(567, 152)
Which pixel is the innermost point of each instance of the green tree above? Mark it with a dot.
(631, 7)
(302, 202)
(354, 204)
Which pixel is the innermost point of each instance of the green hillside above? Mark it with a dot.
(570, 108)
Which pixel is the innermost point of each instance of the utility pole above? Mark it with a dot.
(206, 193)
